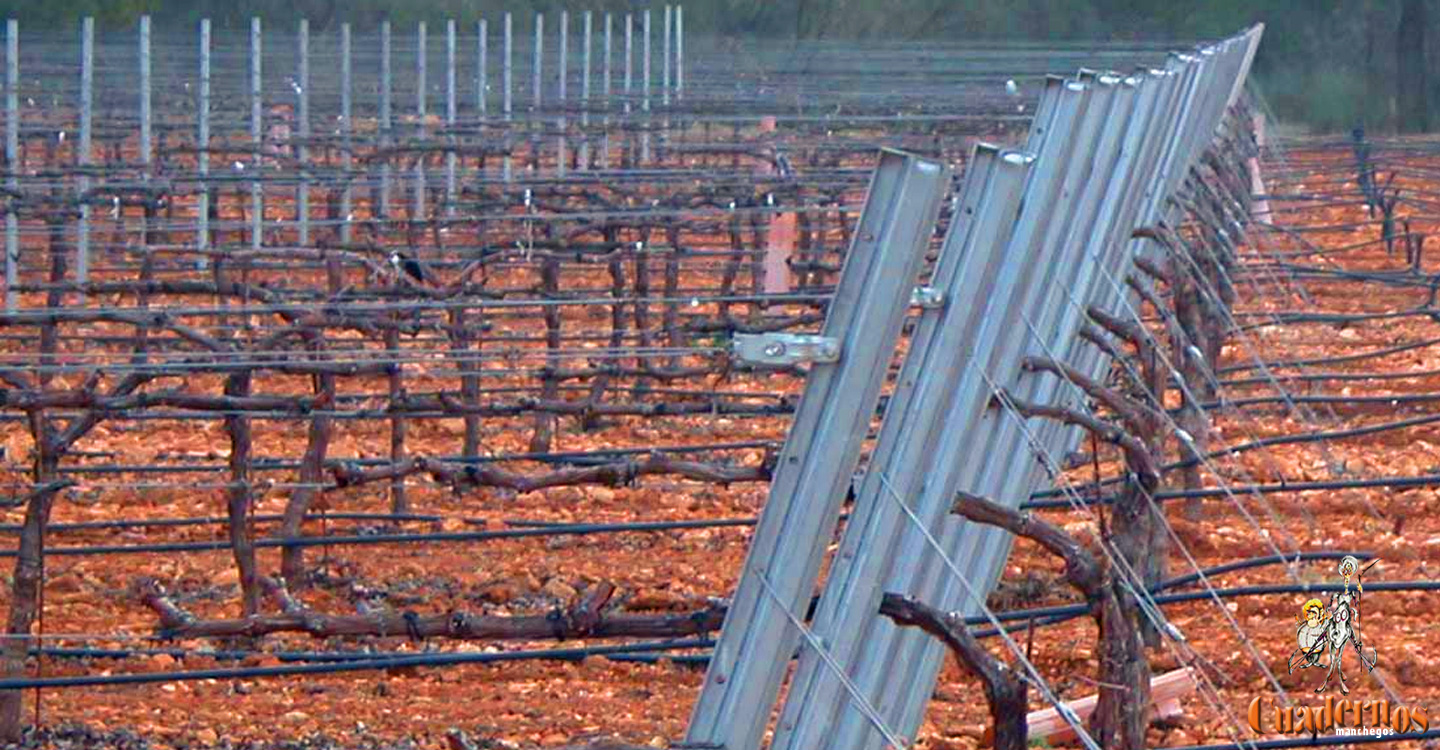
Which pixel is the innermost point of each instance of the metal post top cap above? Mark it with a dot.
(923, 163)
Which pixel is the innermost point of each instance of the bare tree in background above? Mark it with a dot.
(1410, 69)
(1377, 100)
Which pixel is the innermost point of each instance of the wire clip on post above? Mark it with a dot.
(927, 297)
(783, 349)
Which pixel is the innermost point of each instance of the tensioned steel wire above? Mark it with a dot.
(1262, 365)
(1260, 243)
(1172, 425)
(972, 595)
(1306, 416)
(1151, 613)
(1299, 409)
(1113, 282)
(1214, 471)
(1134, 584)
(1123, 299)
(1120, 292)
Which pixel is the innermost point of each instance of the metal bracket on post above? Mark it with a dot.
(784, 348)
(927, 298)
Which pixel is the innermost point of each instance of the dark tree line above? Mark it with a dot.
(1331, 64)
(1411, 68)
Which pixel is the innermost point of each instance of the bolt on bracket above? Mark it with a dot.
(783, 349)
(927, 297)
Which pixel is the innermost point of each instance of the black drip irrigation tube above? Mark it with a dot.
(644, 652)
(1062, 612)
(141, 523)
(1176, 582)
(1037, 500)
(647, 652)
(1250, 445)
(534, 528)
(1256, 562)
(373, 539)
(581, 458)
(356, 665)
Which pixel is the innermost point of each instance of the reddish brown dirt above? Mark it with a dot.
(543, 703)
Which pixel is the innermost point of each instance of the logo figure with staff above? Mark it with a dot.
(1325, 630)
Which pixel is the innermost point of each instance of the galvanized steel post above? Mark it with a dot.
(387, 135)
(563, 66)
(418, 204)
(645, 89)
(257, 135)
(82, 147)
(506, 74)
(451, 109)
(679, 51)
(629, 58)
(202, 137)
(12, 161)
(347, 128)
(482, 57)
(665, 55)
(1036, 240)
(302, 130)
(146, 151)
(820, 453)
(605, 96)
(537, 64)
(589, 31)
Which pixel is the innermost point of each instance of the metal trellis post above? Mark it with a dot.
(821, 451)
